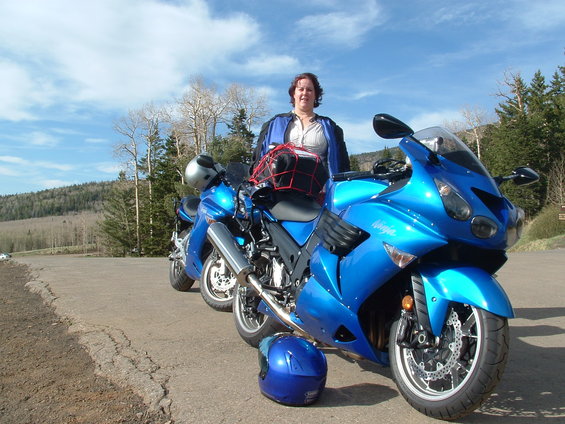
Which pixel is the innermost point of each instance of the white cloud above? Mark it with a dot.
(540, 15)
(272, 65)
(109, 168)
(39, 138)
(116, 53)
(53, 165)
(54, 183)
(33, 164)
(364, 94)
(360, 136)
(20, 91)
(10, 172)
(14, 160)
(345, 27)
(96, 140)
(432, 119)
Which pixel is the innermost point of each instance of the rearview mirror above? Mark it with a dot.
(387, 126)
(524, 176)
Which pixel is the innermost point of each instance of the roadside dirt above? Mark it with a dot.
(46, 376)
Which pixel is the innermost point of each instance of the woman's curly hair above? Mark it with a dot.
(318, 90)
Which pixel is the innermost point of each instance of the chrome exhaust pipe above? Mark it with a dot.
(224, 243)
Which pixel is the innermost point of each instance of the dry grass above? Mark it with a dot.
(54, 233)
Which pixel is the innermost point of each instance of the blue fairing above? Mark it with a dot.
(185, 216)
(463, 284)
(300, 231)
(217, 204)
(322, 314)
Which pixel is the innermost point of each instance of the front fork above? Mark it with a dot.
(414, 329)
(410, 333)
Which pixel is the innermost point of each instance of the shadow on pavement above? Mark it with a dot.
(532, 389)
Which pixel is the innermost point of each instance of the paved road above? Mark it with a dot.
(180, 354)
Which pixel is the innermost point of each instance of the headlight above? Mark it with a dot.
(455, 206)
(483, 227)
(514, 231)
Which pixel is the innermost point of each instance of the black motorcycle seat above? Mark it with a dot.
(292, 206)
(190, 204)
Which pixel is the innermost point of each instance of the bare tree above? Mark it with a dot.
(513, 90)
(150, 118)
(130, 128)
(177, 131)
(556, 183)
(250, 101)
(201, 109)
(475, 123)
(473, 126)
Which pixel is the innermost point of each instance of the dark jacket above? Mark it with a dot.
(274, 131)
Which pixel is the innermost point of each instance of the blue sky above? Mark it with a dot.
(70, 68)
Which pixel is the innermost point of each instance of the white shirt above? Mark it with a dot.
(311, 138)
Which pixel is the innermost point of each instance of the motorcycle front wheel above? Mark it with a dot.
(453, 376)
(252, 325)
(217, 283)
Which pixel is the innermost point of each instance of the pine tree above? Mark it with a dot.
(118, 225)
(515, 141)
(237, 145)
(167, 186)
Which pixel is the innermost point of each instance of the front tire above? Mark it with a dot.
(217, 283)
(452, 378)
(252, 325)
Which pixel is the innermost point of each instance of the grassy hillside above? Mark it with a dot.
(57, 234)
(54, 202)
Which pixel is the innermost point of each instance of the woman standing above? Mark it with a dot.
(304, 128)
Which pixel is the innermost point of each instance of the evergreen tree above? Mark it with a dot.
(167, 186)
(523, 137)
(237, 145)
(118, 225)
(354, 163)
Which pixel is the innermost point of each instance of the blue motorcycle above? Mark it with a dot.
(396, 266)
(192, 257)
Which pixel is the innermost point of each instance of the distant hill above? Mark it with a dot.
(367, 160)
(87, 197)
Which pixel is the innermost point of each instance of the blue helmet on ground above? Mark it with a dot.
(293, 370)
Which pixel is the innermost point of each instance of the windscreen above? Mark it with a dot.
(449, 146)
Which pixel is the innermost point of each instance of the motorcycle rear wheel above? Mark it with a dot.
(177, 275)
(178, 278)
(451, 379)
(252, 325)
(217, 283)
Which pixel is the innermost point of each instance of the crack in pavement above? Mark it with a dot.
(113, 356)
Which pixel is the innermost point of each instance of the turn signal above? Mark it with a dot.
(408, 303)
(399, 257)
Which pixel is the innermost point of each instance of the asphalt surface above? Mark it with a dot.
(184, 357)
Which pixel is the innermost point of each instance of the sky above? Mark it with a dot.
(70, 69)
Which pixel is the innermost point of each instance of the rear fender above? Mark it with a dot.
(463, 284)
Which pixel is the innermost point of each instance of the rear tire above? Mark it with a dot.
(178, 278)
(252, 325)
